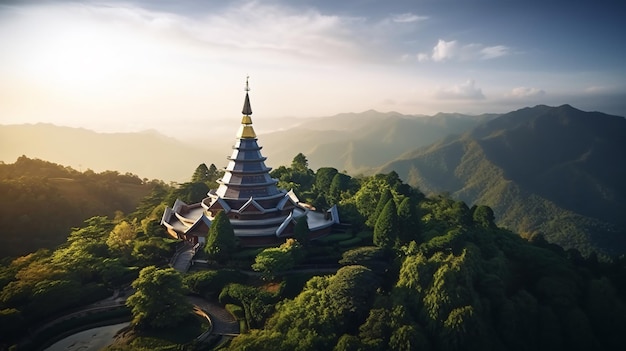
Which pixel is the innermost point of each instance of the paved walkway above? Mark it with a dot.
(223, 322)
(182, 259)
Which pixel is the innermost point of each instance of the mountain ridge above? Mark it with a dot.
(349, 141)
(539, 168)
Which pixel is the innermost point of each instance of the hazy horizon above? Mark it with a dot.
(128, 66)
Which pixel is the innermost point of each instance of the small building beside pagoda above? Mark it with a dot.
(261, 214)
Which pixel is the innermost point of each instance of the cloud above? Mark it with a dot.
(491, 52)
(279, 29)
(452, 50)
(423, 57)
(523, 92)
(464, 91)
(445, 50)
(407, 17)
(252, 27)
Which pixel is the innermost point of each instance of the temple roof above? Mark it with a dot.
(258, 210)
(246, 174)
(245, 130)
(247, 110)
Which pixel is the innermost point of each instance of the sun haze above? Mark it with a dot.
(136, 65)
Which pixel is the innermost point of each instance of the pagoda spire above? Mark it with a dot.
(247, 110)
(245, 130)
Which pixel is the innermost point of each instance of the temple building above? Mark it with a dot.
(261, 214)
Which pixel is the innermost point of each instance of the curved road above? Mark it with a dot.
(223, 322)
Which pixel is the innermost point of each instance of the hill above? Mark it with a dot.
(41, 201)
(147, 154)
(553, 170)
(358, 142)
(433, 275)
(353, 142)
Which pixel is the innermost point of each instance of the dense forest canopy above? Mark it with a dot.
(554, 171)
(41, 201)
(409, 272)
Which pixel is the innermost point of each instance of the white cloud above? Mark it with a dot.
(452, 50)
(407, 18)
(464, 91)
(279, 29)
(491, 52)
(524, 92)
(445, 50)
(423, 57)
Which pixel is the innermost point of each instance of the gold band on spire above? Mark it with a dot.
(245, 130)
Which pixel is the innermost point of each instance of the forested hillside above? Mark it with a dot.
(358, 142)
(557, 171)
(41, 201)
(412, 272)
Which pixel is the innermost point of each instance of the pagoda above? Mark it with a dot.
(261, 214)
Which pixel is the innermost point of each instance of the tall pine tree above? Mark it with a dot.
(221, 240)
(201, 174)
(386, 228)
(408, 222)
(301, 231)
(385, 196)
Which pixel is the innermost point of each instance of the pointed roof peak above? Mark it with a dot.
(247, 109)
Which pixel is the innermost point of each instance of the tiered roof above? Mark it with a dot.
(246, 175)
(259, 212)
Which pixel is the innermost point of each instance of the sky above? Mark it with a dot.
(179, 67)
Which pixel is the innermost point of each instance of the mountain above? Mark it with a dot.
(358, 142)
(557, 171)
(147, 154)
(353, 142)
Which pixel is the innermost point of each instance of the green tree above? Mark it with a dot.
(301, 230)
(348, 342)
(156, 197)
(201, 174)
(386, 228)
(484, 217)
(214, 174)
(300, 164)
(385, 196)
(408, 337)
(301, 174)
(151, 251)
(221, 239)
(122, 238)
(159, 300)
(367, 256)
(324, 178)
(95, 229)
(339, 185)
(257, 303)
(274, 260)
(408, 221)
